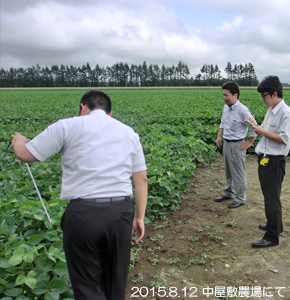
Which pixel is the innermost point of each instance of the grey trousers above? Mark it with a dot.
(235, 171)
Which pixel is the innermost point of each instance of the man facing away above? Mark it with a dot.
(234, 133)
(272, 148)
(99, 156)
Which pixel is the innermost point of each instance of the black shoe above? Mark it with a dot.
(235, 204)
(263, 226)
(263, 244)
(221, 198)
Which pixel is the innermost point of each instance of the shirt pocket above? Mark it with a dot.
(235, 125)
(273, 127)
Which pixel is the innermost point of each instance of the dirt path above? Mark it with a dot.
(203, 250)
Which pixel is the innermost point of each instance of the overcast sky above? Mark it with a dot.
(104, 32)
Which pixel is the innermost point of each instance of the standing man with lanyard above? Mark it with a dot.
(234, 133)
(272, 149)
(99, 157)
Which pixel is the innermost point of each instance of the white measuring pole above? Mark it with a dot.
(38, 193)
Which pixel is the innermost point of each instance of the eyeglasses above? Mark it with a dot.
(263, 96)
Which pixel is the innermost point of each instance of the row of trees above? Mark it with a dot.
(244, 74)
(123, 75)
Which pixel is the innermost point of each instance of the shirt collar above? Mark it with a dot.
(233, 107)
(277, 107)
(97, 112)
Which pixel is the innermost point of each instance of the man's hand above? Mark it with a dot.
(248, 143)
(275, 137)
(19, 146)
(219, 141)
(138, 226)
(219, 138)
(18, 138)
(260, 130)
(253, 122)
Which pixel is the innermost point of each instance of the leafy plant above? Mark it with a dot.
(177, 128)
(231, 223)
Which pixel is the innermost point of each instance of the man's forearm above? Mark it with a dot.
(19, 146)
(220, 133)
(275, 137)
(22, 153)
(252, 139)
(141, 193)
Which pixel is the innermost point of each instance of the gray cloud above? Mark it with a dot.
(75, 32)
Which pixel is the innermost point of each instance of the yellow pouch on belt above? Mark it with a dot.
(264, 161)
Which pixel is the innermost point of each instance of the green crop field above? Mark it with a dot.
(177, 128)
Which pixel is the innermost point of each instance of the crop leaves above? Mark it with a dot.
(177, 128)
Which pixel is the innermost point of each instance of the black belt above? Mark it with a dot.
(101, 200)
(233, 141)
(273, 156)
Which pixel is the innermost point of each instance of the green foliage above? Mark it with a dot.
(122, 75)
(177, 129)
(32, 261)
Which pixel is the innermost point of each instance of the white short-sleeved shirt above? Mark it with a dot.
(277, 120)
(99, 155)
(231, 122)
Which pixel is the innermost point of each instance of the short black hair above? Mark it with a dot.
(95, 99)
(271, 84)
(232, 86)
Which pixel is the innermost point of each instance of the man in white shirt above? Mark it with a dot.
(99, 156)
(272, 148)
(234, 133)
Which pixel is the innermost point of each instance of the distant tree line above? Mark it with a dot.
(245, 75)
(123, 75)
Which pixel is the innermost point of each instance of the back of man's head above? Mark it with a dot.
(97, 100)
(271, 84)
(232, 87)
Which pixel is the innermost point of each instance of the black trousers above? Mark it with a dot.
(271, 177)
(97, 243)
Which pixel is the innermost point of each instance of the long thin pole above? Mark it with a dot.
(38, 193)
